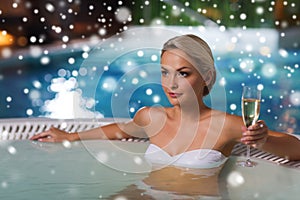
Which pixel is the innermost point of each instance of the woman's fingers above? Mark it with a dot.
(255, 135)
(46, 139)
(51, 135)
(41, 135)
(259, 125)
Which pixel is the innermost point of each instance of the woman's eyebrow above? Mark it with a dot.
(179, 69)
(182, 68)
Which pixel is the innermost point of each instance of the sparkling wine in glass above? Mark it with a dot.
(250, 111)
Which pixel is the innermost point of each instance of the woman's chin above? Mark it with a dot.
(174, 101)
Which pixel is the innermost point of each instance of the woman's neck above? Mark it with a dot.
(191, 113)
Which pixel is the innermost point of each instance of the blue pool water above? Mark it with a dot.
(118, 86)
(98, 174)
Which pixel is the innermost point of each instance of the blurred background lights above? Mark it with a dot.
(50, 7)
(90, 103)
(45, 60)
(109, 84)
(295, 98)
(143, 74)
(129, 63)
(222, 28)
(269, 70)
(135, 81)
(234, 39)
(283, 53)
(102, 156)
(123, 14)
(34, 94)
(12, 150)
(35, 51)
(140, 53)
(85, 55)
(33, 39)
(249, 47)
(75, 73)
(149, 91)
(66, 144)
(9, 99)
(71, 60)
(233, 107)
(37, 84)
(156, 99)
(235, 179)
(247, 65)
(154, 58)
(4, 184)
(62, 72)
(138, 160)
(52, 171)
(5, 38)
(260, 10)
(26, 90)
(157, 22)
(222, 81)
(260, 86)
(175, 10)
(83, 71)
(102, 31)
(65, 38)
(64, 125)
(243, 16)
(265, 51)
(262, 39)
(29, 112)
(106, 68)
(6, 52)
(132, 109)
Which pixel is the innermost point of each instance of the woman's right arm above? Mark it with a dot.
(110, 132)
(133, 128)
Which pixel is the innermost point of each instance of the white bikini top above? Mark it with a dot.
(199, 158)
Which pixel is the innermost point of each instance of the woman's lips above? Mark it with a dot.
(174, 95)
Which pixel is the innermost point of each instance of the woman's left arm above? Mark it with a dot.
(277, 143)
(283, 145)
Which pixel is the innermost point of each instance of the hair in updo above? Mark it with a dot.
(199, 53)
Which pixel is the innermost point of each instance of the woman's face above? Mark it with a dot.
(182, 83)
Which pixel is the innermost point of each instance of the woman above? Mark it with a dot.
(188, 128)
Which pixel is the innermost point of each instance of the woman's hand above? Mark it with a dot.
(255, 135)
(54, 135)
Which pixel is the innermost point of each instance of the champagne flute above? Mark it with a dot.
(250, 111)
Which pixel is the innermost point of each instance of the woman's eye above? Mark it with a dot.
(183, 74)
(164, 73)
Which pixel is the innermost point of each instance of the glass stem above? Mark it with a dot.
(248, 152)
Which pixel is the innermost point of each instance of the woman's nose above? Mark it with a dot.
(173, 84)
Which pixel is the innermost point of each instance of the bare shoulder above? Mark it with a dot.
(234, 119)
(145, 115)
(230, 118)
(232, 124)
(142, 117)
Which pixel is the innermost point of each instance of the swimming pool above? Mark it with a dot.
(117, 169)
(32, 170)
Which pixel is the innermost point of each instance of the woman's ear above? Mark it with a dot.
(208, 77)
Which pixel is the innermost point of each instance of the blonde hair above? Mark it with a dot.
(199, 53)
